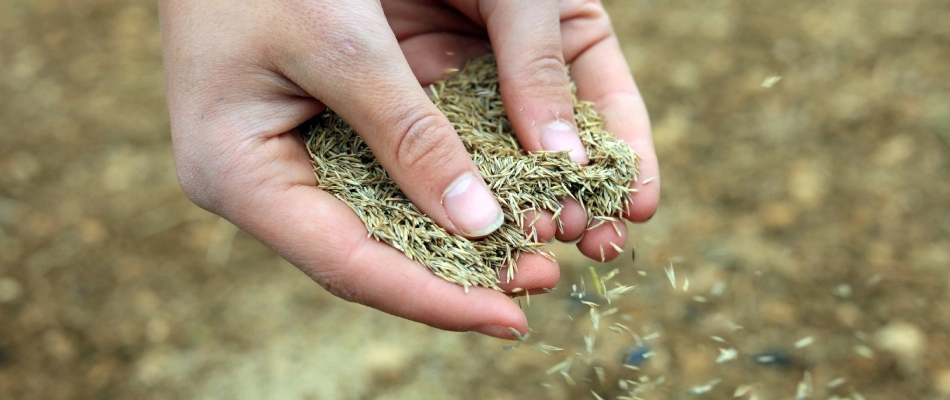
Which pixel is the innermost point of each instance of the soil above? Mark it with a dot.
(807, 224)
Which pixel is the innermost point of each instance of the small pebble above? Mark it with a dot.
(842, 290)
(941, 381)
(386, 361)
(778, 312)
(904, 340)
(10, 290)
(848, 314)
(638, 356)
(59, 345)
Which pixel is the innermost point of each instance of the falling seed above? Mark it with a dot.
(547, 348)
(836, 382)
(842, 290)
(619, 290)
(772, 80)
(589, 342)
(521, 339)
(742, 390)
(561, 366)
(598, 285)
(517, 335)
(804, 342)
(624, 327)
(804, 389)
(685, 284)
(670, 273)
(726, 355)
(568, 379)
(864, 351)
(705, 388)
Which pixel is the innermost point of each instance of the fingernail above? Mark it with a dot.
(561, 136)
(497, 331)
(472, 207)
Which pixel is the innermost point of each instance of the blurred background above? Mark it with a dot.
(806, 221)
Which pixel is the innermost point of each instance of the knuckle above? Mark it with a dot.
(587, 9)
(546, 70)
(337, 273)
(204, 178)
(336, 277)
(336, 282)
(196, 187)
(425, 142)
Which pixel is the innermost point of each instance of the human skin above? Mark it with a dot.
(241, 76)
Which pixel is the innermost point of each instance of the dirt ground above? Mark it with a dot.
(807, 223)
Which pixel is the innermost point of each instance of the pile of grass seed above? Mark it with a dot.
(521, 182)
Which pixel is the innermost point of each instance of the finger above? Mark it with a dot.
(535, 274)
(535, 88)
(355, 66)
(287, 213)
(540, 226)
(526, 40)
(604, 240)
(573, 221)
(602, 76)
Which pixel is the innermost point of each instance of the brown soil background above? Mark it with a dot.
(819, 207)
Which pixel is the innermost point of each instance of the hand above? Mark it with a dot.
(241, 76)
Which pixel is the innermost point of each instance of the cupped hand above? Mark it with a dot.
(241, 76)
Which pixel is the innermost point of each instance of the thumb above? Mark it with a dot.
(359, 71)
